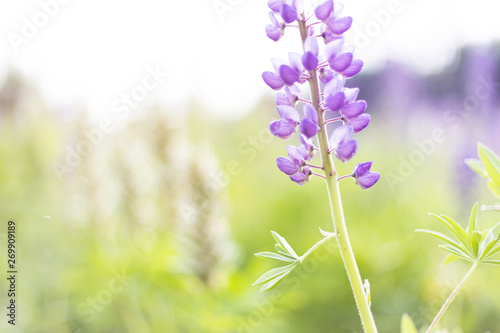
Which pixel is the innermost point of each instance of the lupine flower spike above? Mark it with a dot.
(333, 66)
(325, 122)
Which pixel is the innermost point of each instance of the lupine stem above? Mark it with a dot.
(451, 297)
(336, 204)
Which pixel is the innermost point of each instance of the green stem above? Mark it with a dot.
(336, 205)
(451, 298)
(315, 246)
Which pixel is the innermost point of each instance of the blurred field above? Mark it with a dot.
(155, 229)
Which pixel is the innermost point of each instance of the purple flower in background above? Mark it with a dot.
(342, 144)
(364, 177)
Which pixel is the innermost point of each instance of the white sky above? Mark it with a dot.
(92, 51)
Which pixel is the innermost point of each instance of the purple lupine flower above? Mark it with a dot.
(308, 147)
(275, 30)
(289, 97)
(363, 176)
(333, 66)
(302, 177)
(295, 161)
(286, 126)
(342, 144)
(334, 23)
(309, 125)
(359, 123)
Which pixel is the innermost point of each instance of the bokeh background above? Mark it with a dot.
(148, 222)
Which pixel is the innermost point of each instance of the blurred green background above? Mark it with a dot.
(154, 230)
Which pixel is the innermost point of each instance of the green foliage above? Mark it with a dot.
(487, 167)
(407, 325)
(471, 244)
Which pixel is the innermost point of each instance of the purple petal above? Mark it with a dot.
(308, 145)
(288, 13)
(360, 122)
(275, 5)
(273, 32)
(334, 85)
(354, 69)
(346, 150)
(289, 114)
(303, 177)
(282, 99)
(342, 62)
(351, 94)
(288, 75)
(286, 166)
(296, 155)
(310, 61)
(296, 62)
(277, 63)
(340, 134)
(341, 25)
(368, 180)
(353, 110)
(361, 169)
(282, 129)
(333, 49)
(274, 20)
(324, 10)
(308, 128)
(310, 113)
(335, 102)
(311, 45)
(273, 80)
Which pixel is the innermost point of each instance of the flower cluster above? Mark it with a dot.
(328, 70)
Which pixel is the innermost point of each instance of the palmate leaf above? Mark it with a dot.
(491, 163)
(457, 230)
(493, 262)
(407, 325)
(455, 252)
(476, 166)
(444, 238)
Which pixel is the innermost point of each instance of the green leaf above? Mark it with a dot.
(456, 229)
(284, 244)
(443, 238)
(476, 166)
(491, 162)
(271, 274)
(472, 222)
(476, 241)
(275, 256)
(494, 188)
(490, 241)
(493, 251)
(407, 325)
(454, 251)
(493, 262)
(274, 282)
(450, 258)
